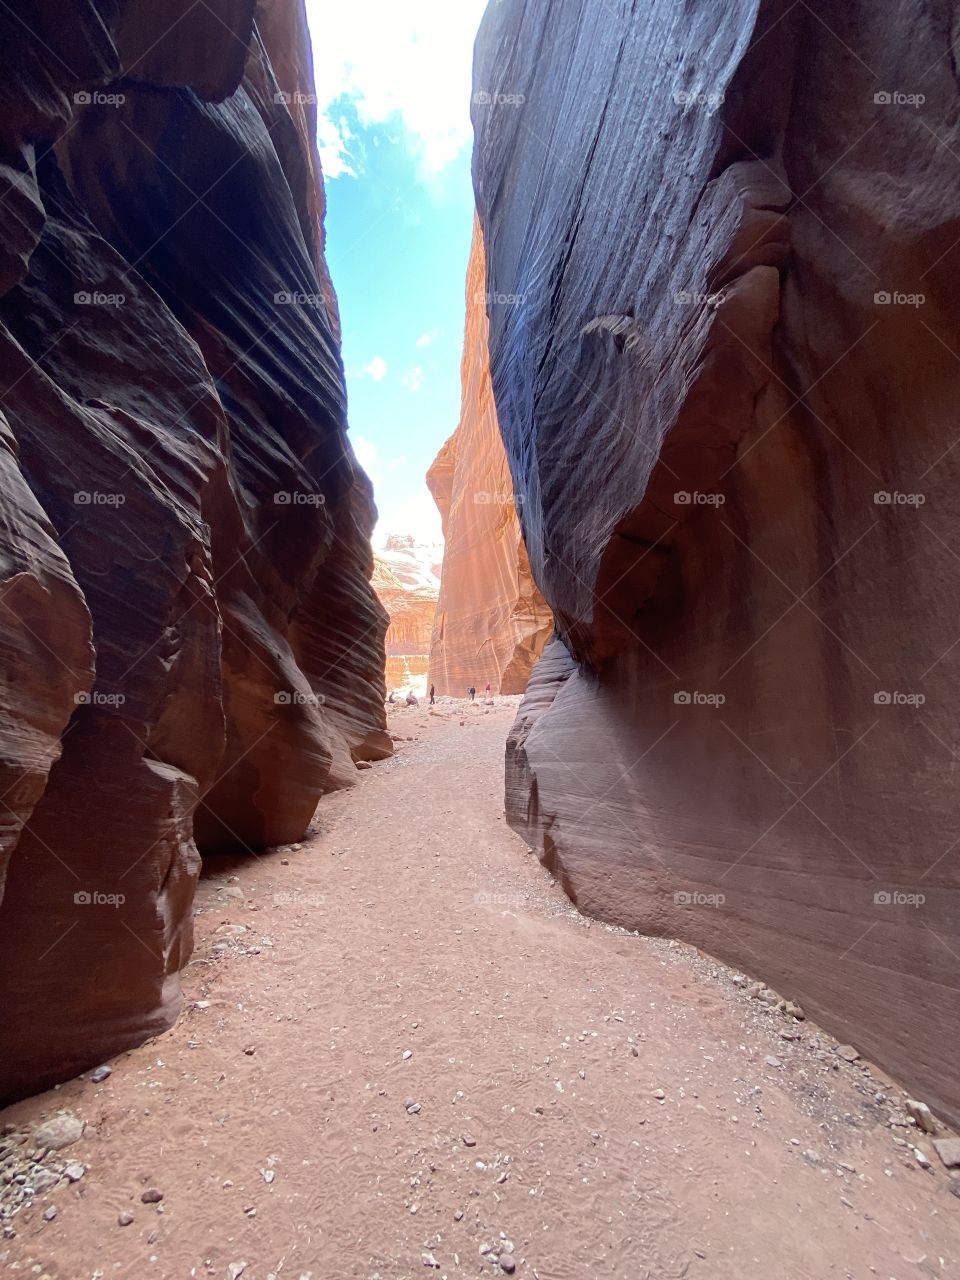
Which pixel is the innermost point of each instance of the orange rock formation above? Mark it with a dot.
(406, 577)
(491, 621)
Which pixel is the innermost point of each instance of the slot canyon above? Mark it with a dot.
(478, 754)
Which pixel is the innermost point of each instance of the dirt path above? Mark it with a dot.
(404, 1048)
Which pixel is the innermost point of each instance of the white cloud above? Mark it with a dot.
(416, 514)
(368, 455)
(413, 379)
(426, 338)
(411, 59)
(376, 369)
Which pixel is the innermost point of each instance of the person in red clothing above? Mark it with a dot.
(488, 688)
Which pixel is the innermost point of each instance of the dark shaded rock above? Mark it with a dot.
(731, 424)
(193, 652)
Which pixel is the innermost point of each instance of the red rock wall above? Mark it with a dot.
(407, 587)
(191, 648)
(491, 622)
(746, 735)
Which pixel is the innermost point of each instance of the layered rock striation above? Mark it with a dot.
(725, 364)
(491, 622)
(192, 652)
(406, 578)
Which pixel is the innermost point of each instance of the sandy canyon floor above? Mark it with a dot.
(404, 1054)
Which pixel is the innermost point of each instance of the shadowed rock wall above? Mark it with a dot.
(491, 621)
(728, 401)
(191, 649)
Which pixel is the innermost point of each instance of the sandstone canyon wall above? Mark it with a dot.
(728, 399)
(406, 578)
(191, 650)
(491, 622)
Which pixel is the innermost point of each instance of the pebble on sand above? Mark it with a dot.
(152, 1196)
(60, 1131)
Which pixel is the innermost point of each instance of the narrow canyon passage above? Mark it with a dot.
(404, 1053)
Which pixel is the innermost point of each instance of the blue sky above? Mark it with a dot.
(393, 83)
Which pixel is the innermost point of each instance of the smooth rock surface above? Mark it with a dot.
(192, 648)
(727, 400)
(491, 621)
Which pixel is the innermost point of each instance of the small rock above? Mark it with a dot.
(268, 1175)
(508, 1263)
(921, 1158)
(429, 1260)
(250, 1050)
(74, 1171)
(847, 1052)
(948, 1149)
(151, 1196)
(124, 1219)
(458, 1215)
(659, 1095)
(62, 1131)
(413, 1108)
(469, 1141)
(407, 1054)
(50, 1213)
(764, 994)
(365, 764)
(236, 1270)
(772, 1061)
(922, 1115)
(793, 1010)
(100, 1073)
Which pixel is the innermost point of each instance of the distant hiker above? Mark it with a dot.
(412, 700)
(488, 688)
(433, 694)
(472, 693)
(391, 698)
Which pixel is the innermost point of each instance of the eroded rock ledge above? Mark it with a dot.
(191, 649)
(491, 621)
(728, 403)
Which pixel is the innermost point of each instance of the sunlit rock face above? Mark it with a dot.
(491, 622)
(406, 578)
(726, 370)
(191, 648)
